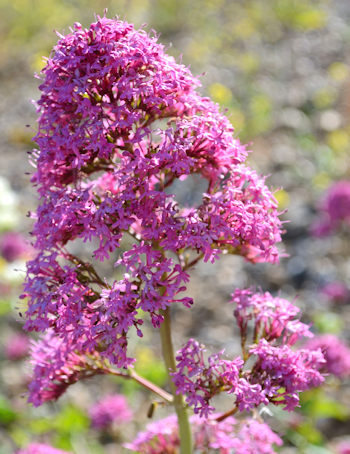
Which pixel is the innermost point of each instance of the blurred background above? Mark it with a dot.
(281, 69)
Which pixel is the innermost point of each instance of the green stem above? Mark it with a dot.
(169, 359)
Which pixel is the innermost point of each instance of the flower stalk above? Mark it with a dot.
(180, 409)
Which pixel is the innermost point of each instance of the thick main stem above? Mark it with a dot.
(169, 359)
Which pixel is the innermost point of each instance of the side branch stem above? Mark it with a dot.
(227, 414)
(151, 386)
(132, 375)
(169, 359)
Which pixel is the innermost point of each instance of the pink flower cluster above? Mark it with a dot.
(226, 437)
(56, 365)
(335, 209)
(336, 291)
(272, 318)
(276, 374)
(13, 246)
(111, 409)
(335, 352)
(343, 447)
(119, 121)
(283, 373)
(39, 448)
(200, 380)
(17, 346)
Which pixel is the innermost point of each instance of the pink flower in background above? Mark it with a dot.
(39, 448)
(241, 437)
(17, 346)
(336, 291)
(160, 437)
(335, 209)
(336, 354)
(14, 246)
(111, 409)
(343, 447)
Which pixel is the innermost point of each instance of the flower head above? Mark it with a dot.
(13, 246)
(272, 317)
(226, 437)
(276, 373)
(283, 373)
(111, 409)
(343, 447)
(336, 291)
(336, 354)
(58, 363)
(335, 209)
(200, 380)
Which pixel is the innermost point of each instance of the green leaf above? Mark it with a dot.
(150, 367)
(310, 433)
(328, 322)
(313, 449)
(40, 425)
(5, 307)
(71, 419)
(7, 414)
(317, 404)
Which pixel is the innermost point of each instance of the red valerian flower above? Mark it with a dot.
(119, 122)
